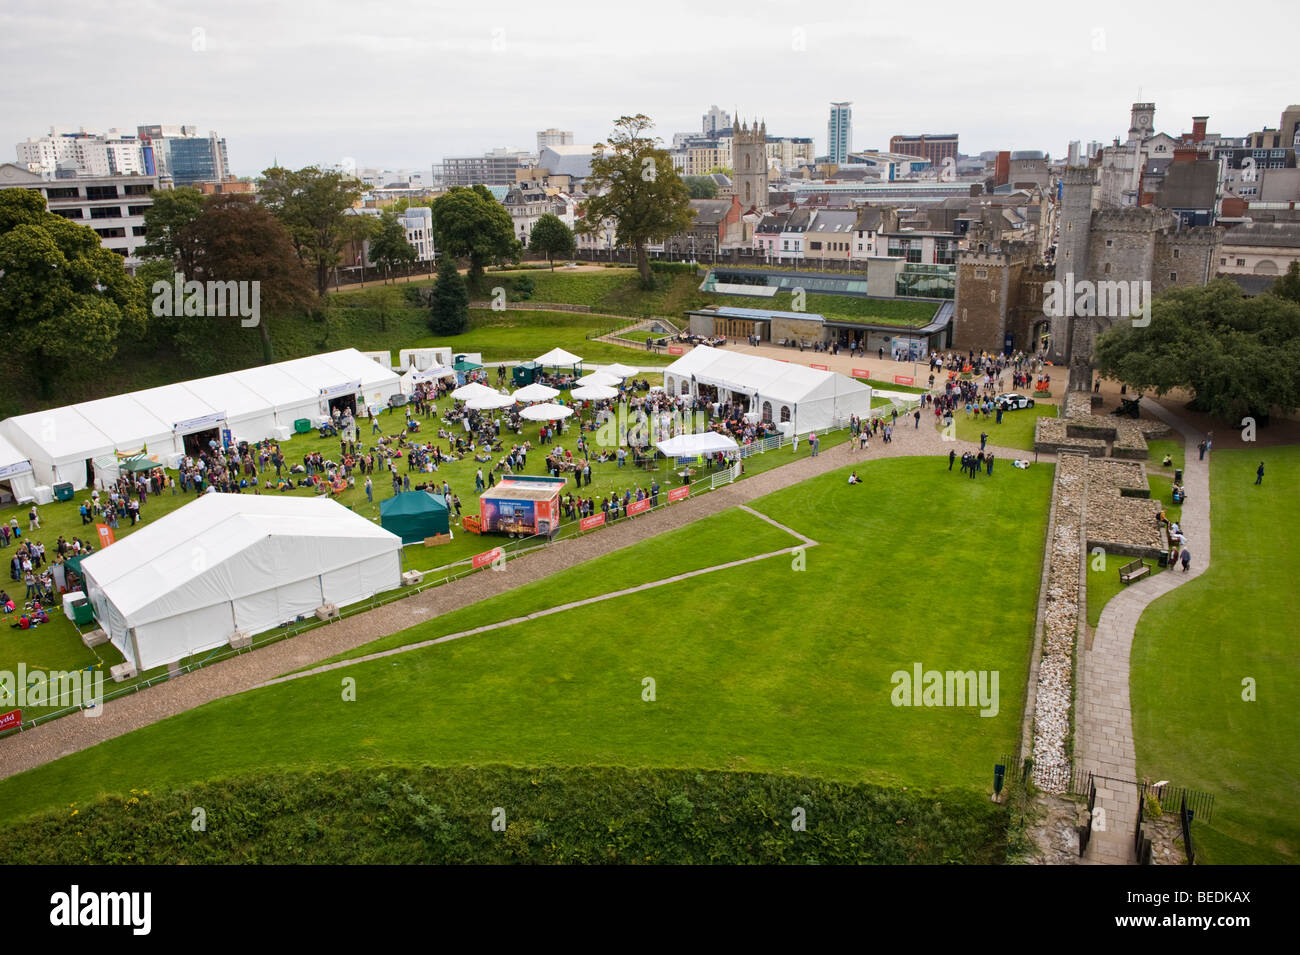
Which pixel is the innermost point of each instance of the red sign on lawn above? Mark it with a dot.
(679, 493)
(636, 507)
(904, 380)
(587, 523)
(11, 720)
(820, 367)
(487, 557)
(861, 373)
(106, 535)
(675, 349)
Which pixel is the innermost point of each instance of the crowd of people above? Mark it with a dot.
(42, 576)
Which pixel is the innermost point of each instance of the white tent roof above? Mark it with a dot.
(535, 392)
(689, 445)
(354, 366)
(619, 370)
(60, 434)
(473, 389)
(176, 403)
(766, 377)
(594, 392)
(557, 356)
(144, 573)
(127, 422)
(229, 394)
(12, 461)
(489, 402)
(600, 378)
(546, 412)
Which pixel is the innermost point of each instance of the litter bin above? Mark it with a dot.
(1178, 476)
(82, 613)
(1164, 558)
(302, 425)
(63, 492)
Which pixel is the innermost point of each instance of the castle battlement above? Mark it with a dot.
(1144, 219)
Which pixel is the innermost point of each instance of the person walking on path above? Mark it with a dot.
(1201, 448)
(917, 416)
(1186, 558)
(812, 440)
(952, 456)
(984, 439)
(34, 519)
(1259, 477)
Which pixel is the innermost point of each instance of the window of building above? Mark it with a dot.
(138, 230)
(136, 210)
(106, 212)
(815, 245)
(981, 273)
(1175, 253)
(138, 190)
(101, 192)
(1241, 262)
(1173, 276)
(62, 193)
(785, 413)
(67, 213)
(1109, 243)
(1223, 261)
(1106, 270)
(112, 233)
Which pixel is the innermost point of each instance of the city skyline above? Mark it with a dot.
(241, 70)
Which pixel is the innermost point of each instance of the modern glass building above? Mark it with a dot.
(839, 132)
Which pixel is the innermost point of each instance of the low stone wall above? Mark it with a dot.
(1121, 514)
(1061, 611)
(1051, 437)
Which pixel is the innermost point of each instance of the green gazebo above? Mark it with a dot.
(414, 515)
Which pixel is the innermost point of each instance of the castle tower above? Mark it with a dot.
(1075, 223)
(749, 165)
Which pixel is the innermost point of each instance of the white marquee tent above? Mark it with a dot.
(780, 392)
(16, 472)
(225, 562)
(691, 445)
(61, 443)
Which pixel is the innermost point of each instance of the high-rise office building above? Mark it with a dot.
(553, 137)
(188, 158)
(839, 133)
(715, 121)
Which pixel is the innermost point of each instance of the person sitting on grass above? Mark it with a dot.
(854, 479)
(1167, 462)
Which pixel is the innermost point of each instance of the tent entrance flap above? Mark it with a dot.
(197, 441)
(344, 403)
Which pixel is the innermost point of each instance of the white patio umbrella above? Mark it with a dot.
(472, 390)
(535, 392)
(618, 371)
(594, 392)
(599, 378)
(490, 402)
(546, 412)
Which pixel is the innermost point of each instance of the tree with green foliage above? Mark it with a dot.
(166, 227)
(468, 222)
(634, 185)
(551, 237)
(314, 204)
(64, 298)
(1288, 286)
(1236, 355)
(701, 187)
(389, 247)
(450, 296)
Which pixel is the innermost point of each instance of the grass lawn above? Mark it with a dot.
(1170, 446)
(1104, 583)
(57, 645)
(762, 667)
(1015, 431)
(1195, 646)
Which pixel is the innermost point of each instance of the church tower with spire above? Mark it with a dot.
(749, 164)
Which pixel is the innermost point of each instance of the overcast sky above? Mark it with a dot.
(402, 84)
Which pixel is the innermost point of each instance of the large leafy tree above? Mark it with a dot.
(634, 185)
(701, 187)
(450, 312)
(313, 204)
(1238, 356)
(550, 237)
(389, 247)
(239, 240)
(166, 224)
(468, 222)
(64, 299)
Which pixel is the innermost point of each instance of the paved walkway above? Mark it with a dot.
(1103, 739)
(70, 734)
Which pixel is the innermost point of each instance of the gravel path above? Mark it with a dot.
(57, 738)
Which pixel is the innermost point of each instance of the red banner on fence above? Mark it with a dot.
(106, 536)
(636, 507)
(587, 523)
(675, 349)
(904, 380)
(11, 720)
(861, 373)
(487, 557)
(820, 367)
(679, 493)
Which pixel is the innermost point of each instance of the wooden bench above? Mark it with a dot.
(1133, 570)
